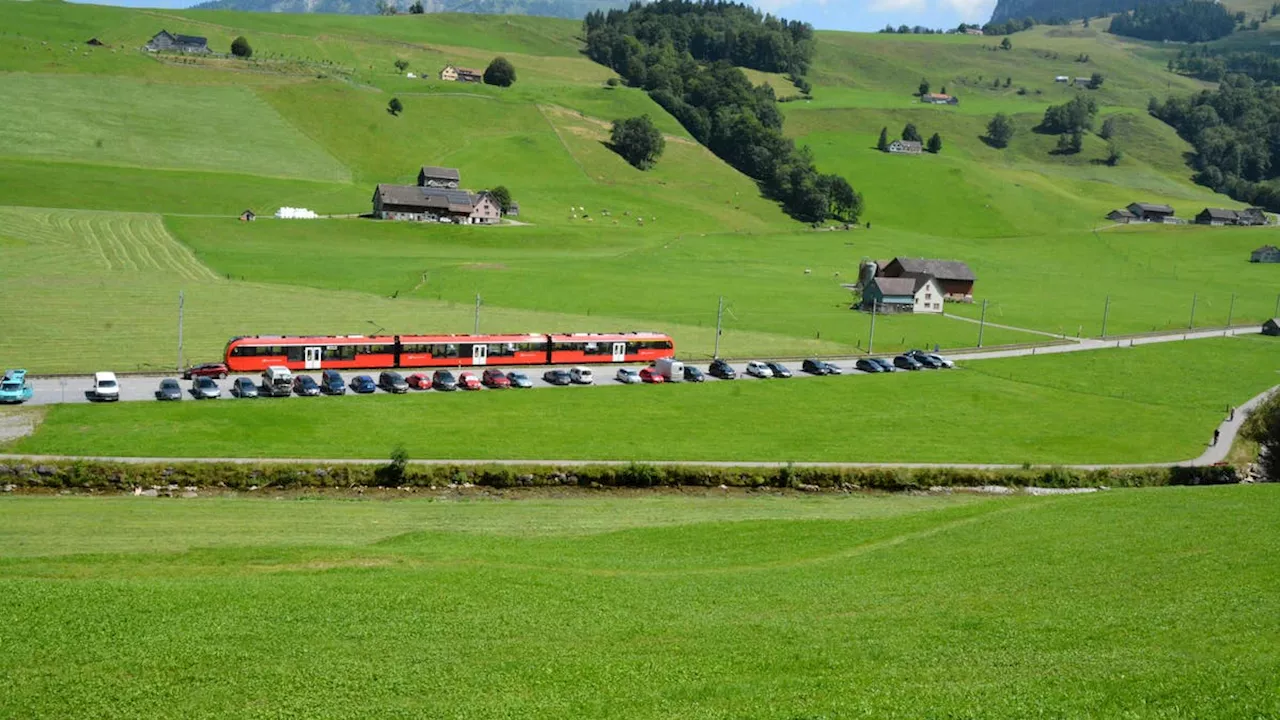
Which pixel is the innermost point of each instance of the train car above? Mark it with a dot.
(257, 353)
(578, 348)
(454, 350)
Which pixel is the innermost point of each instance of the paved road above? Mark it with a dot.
(1212, 454)
(49, 391)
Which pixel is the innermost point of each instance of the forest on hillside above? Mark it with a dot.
(1236, 134)
(687, 54)
(1186, 21)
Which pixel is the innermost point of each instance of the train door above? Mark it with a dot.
(479, 354)
(619, 352)
(311, 357)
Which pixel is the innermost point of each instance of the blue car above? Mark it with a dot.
(363, 384)
(14, 387)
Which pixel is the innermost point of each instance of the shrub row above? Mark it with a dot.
(126, 476)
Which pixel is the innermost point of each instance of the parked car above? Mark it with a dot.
(814, 367)
(494, 378)
(907, 363)
(306, 386)
(721, 369)
(105, 388)
(755, 368)
(868, 365)
(627, 376)
(582, 375)
(832, 368)
(204, 388)
(217, 370)
(519, 380)
(469, 381)
(444, 380)
(945, 362)
(419, 381)
(169, 390)
(390, 381)
(331, 383)
(885, 365)
(243, 388)
(652, 375)
(557, 377)
(693, 374)
(15, 388)
(925, 359)
(779, 370)
(277, 381)
(363, 385)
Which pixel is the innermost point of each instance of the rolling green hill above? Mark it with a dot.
(571, 9)
(109, 134)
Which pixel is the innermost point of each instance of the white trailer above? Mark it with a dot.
(670, 368)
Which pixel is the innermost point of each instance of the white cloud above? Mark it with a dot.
(971, 8)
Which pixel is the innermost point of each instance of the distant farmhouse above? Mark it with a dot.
(1151, 212)
(453, 73)
(974, 31)
(1121, 215)
(939, 99)
(919, 294)
(439, 177)
(906, 147)
(164, 41)
(436, 198)
(955, 279)
(1084, 82)
(1217, 216)
(1265, 254)
(1062, 79)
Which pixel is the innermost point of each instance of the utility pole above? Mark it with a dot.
(1277, 312)
(1231, 310)
(1106, 310)
(181, 302)
(719, 316)
(982, 324)
(1194, 297)
(476, 331)
(871, 343)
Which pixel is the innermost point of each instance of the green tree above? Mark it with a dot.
(910, 133)
(402, 64)
(1263, 427)
(935, 144)
(395, 107)
(1064, 145)
(240, 48)
(1108, 128)
(1077, 141)
(1114, 155)
(500, 72)
(924, 87)
(502, 196)
(638, 141)
(1095, 81)
(844, 201)
(1005, 44)
(1008, 81)
(883, 143)
(999, 131)
(416, 8)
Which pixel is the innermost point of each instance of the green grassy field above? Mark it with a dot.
(1148, 604)
(1155, 403)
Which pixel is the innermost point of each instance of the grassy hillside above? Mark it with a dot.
(655, 607)
(189, 143)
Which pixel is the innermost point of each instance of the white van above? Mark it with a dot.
(671, 369)
(581, 375)
(105, 387)
(277, 381)
(759, 369)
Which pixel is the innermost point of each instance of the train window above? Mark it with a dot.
(294, 353)
(340, 352)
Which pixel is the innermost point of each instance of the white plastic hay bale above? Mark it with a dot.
(292, 213)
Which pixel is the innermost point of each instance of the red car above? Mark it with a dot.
(651, 375)
(495, 379)
(418, 381)
(218, 370)
(468, 381)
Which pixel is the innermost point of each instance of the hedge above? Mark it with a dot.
(237, 476)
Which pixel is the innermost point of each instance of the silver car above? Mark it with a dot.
(204, 388)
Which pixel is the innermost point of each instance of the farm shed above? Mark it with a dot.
(906, 147)
(164, 41)
(439, 177)
(1265, 254)
(1151, 212)
(1217, 217)
(955, 278)
(1121, 215)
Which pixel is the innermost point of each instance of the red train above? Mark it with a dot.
(256, 353)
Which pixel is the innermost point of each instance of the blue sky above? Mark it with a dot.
(823, 14)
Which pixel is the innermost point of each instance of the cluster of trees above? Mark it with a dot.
(1186, 21)
(1075, 115)
(934, 145)
(684, 54)
(1263, 427)
(638, 141)
(707, 31)
(1213, 65)
(999, 131)
(910, 30)
(1236, 135)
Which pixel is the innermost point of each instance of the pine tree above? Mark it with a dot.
(935, 144)
(883, 144)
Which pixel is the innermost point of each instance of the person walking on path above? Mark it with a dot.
(1216, 433)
